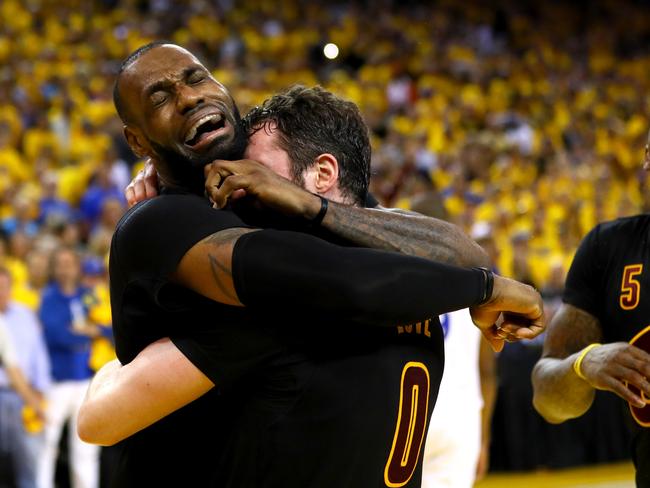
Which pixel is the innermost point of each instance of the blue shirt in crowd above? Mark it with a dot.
(69, 351)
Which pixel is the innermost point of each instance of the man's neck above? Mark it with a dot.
(68, 288)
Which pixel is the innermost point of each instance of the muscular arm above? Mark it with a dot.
(123, 400)
(263, 268)
(390, 230)
(559, 394)
(411, 234)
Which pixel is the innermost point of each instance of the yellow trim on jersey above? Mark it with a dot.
(643, 397)
(639, 334)
(408, 447)
(414, 417)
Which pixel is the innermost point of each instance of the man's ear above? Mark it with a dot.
(326, 174)
(138, 143)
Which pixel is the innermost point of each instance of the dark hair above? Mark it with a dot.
(313, 121)
(130, 59)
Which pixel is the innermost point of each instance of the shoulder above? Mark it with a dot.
(23, 313)
(153, 236)
(619, 232)
(20, 309)
(158, 207)
(625, 226)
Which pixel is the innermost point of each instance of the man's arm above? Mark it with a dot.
(30, 396)
(263, 268)
(414, 235)
(123, 400)
(161, 379)
(559, 393)
(410, 234)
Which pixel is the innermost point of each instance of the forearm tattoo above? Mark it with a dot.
(413, 235)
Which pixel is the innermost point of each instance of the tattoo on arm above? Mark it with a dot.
(413, 234)
(216, 268)
(220, 246)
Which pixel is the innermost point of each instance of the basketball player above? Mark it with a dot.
(587, 346)
(264, 373)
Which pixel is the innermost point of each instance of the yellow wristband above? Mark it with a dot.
(578, 362)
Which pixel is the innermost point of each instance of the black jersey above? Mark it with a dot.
(354, 413)
(610, 279)
(300, 401)
(147, 246)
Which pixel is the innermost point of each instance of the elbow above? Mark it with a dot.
(543, 402)
(551, 401)
(541, 406)
(91, 431)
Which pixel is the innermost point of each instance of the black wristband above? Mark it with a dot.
(316, 221)
(488, 284)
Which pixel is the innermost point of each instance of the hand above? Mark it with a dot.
(607, 368)
(231, 180)
(520, 308)
(36, 402)
(39, 410)
(143, 186)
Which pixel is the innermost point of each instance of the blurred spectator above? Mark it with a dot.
(53, 209)
(69, 335)
(21, 394)
(98, 302)
(99, 241)
(24, 217)
(100, 190)
(38, 274)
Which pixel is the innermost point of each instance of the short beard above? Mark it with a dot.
(184, 170)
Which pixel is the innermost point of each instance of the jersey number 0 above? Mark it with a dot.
(411, 425)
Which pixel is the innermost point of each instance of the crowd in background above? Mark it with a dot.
(523, 123)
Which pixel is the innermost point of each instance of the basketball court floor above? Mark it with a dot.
(619, 475)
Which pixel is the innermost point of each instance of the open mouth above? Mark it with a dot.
(205, 130)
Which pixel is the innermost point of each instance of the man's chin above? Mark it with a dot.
(226, 148)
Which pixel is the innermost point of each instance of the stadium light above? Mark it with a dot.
(331, 50)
